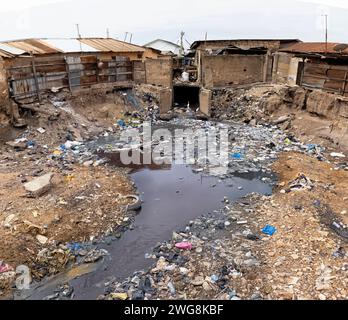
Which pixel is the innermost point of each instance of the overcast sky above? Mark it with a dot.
(152, 19)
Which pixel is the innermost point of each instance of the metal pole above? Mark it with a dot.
(79, 35)
(326, 32)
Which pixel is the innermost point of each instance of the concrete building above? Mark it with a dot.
(236, 62)
(166, 47)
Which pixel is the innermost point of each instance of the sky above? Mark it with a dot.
(152, 19)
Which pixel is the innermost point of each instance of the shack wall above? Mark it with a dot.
(3, 84)
(220, 71)
(330, 78)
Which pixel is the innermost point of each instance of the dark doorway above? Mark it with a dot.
(186, 94)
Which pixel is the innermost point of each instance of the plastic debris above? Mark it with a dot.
(269, 230)
(237, 155)
(337, 155)
(119, 296)
(121, 123)
(184, 245)
(41, 130)
(301, 182)
(4, 267)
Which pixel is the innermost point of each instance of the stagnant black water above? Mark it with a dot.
(172, 196)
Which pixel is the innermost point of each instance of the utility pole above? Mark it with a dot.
(326, 32)
(79, 35)
(107, 33)
(125, 36)
(131, 37)
(182, 50)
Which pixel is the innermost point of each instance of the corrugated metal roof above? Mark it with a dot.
(69, 45)
(35, 46)
(318, 47)
(195, 44)
(13, 48)
(8, 51)
(111, 45)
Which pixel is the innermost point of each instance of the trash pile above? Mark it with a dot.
(197, 262)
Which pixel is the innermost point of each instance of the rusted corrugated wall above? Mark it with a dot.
(331, 78)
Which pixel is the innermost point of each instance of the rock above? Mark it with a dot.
(171, 288)
(20, 146)
(88, 163)
(184, 271)
(39, 186)
(8, 220)
(6, 279)
(198, 281)
(207, 286)
(281, 120)
(322, 297)
(41, 239)
(166, 117)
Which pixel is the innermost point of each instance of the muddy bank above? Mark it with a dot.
(312, 115)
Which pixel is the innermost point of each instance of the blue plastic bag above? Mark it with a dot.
(269, 230)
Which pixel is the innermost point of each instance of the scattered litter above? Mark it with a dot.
(237, 156)
(4, 267)
(119, 296)
(301, 182)
(41, 130)
(269, 230)
(337, 155)
(184, 245)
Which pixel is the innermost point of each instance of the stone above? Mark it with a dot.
(9, 219)
(88, 163)
(41, 239)
(39, 186)
(198, 281)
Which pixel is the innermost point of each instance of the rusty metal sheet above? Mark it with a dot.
(315, 47)
(35, 46)
(111, 45)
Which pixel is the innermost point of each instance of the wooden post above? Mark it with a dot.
(344, 83)
(97, 70)
(68, 73)
(35, 77)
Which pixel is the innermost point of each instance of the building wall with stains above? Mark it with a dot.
(159, 72)
(229, 70)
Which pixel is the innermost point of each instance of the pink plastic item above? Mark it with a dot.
(184, 245)
(5, 267)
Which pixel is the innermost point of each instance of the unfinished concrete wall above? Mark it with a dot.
(159, 72)
(220, 71)
(285, 68)
(205, 101)
(165, 100)
(139, 73)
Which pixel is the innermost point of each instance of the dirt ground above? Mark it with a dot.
(305, 259)
(84, 202)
